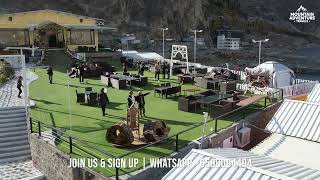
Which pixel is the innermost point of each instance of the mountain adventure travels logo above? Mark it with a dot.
(302, 15)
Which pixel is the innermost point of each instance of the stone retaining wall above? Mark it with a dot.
(54, 164)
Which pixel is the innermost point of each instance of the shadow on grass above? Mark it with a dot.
(50, 110)
(46, 102)
(168, 121)
(66, 85)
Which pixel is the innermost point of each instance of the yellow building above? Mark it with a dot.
(50, 29)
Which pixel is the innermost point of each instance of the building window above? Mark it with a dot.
(81, 20)
(10, 18)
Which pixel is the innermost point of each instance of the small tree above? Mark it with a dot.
(6, 72)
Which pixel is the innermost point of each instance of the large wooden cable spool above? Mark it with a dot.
(155, 131)
(120, 134)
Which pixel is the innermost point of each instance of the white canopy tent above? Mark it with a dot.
(280, 75)
(141, 56)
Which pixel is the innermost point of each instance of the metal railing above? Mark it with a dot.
(81, 148)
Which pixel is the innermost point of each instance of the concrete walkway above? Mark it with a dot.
(9, 91)
(20, 170)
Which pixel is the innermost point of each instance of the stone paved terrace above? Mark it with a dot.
(9, 91)
(19, 170)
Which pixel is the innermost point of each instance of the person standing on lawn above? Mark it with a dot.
(19, 85)
(141, 103)
(131, 100)
(103, 101)
(50, 74)
(163, 67)
(81, 73)
(157, 71)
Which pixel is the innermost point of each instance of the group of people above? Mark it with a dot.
(20, 79)
(165, 68)
(139, 99)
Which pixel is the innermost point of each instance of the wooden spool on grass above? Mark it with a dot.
(155, 131)
(120, 134)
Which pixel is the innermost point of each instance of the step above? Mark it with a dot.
(13, 111)
(12, 129)
(18, 137)
(13, 124)
(8, 116)
(13, 120)
(15, 154)
(14, 143)
(15, 159)
(13, 134)
(12, 108)
(17, 148)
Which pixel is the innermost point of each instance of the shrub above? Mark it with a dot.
(6, 72)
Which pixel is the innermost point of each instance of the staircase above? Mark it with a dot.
(15, 154)
(14, 145)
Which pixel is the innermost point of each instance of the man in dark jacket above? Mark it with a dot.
(130, 99)
(141, 102)
(19, 85)
(81, 73)
(50, 74)
(103, 101)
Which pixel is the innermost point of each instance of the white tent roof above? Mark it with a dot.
(142, 55)
(270, 67)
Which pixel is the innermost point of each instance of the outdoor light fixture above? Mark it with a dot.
(195, 44)
(163, 29)
(260, 41)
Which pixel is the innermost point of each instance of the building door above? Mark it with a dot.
(52, 40)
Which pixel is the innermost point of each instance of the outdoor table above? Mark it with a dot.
(192, 90)
(250, 100)
(161, 90)
(87, 93)
(206, 101)
(129, 79)
(185, 78)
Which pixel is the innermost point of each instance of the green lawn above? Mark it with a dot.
(56, 106)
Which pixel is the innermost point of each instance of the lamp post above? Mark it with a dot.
(195, 44)
(260, 41)
(163, 29)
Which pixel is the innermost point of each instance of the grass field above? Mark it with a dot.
(56, 106)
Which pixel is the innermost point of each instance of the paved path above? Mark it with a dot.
(9, 91)
(9, 99)
(19, 170)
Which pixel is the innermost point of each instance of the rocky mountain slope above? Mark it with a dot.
(180, 15)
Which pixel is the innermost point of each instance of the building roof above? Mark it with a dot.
(71, 26)
(263, 167)
(49, 10)
(297, 119)
(287, 148)
(314, 96)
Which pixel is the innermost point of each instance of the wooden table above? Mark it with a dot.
(250, 100)
(192, 90)
(207, 100)
(161, 90)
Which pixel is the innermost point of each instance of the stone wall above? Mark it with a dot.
(54, 164)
